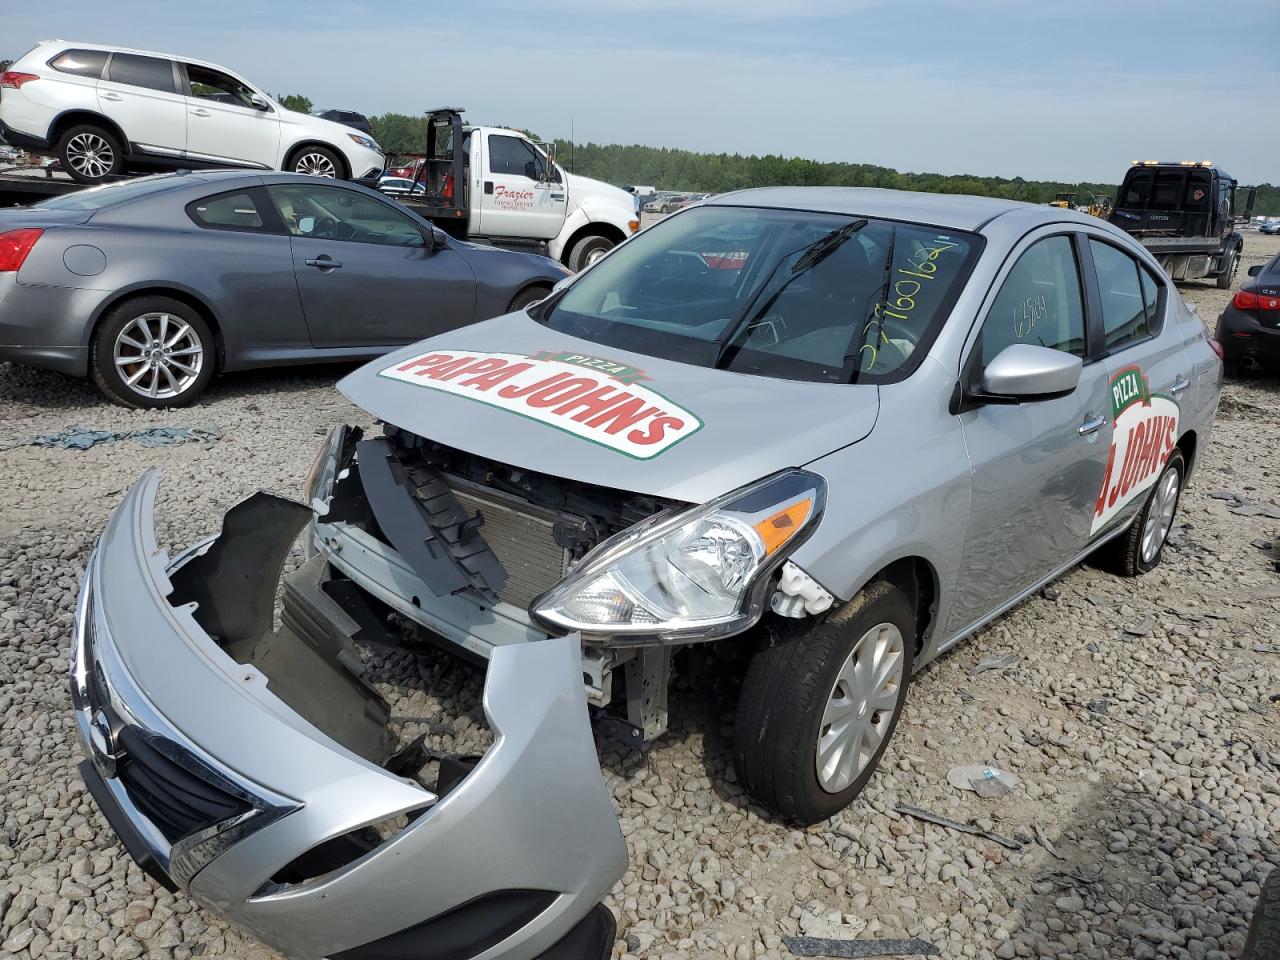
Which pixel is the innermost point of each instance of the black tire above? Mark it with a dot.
(1126, 553)
(527, 297)
(1227, 276)
(587, 250)
(787, 687)
(185, 328)
(1231, 369)
(1263, 941)
(316, 162)
(91, 154)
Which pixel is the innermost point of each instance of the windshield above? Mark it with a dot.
(779, 293)
(95, 198)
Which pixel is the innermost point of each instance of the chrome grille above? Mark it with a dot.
(523, 539)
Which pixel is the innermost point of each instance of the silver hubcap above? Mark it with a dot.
(1160, 516)
(316, 165)
(860, 707)
(158, 355)
(594, 255)
(90, 155)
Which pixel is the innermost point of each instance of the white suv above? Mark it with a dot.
(103, 110)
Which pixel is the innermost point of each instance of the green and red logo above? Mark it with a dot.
(1144, 431)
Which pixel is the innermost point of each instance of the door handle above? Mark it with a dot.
(324, 262)
(201, 113)
(557, 196)
(1179, 385)
(1092, 425)
(114, 97)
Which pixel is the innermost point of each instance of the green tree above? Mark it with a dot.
(295, 101)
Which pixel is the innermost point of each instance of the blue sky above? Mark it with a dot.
(1066, 91)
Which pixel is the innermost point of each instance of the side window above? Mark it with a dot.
(333, 213)
(150, 72)
(512, 156)
(212, 85)
(83, 63)
(1151, 295)
(1124, 309)
(1039, 303)
(226, 211)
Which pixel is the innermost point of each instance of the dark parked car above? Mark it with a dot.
(151, 286)
(1249, 329)
(348, 118)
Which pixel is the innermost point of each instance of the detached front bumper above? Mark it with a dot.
(217, 784)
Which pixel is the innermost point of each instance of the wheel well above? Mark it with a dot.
(915, 577)
(73, 117)
(195, 303)
(342, 159)
(536, 285)
(1187, 444)
(606, 230)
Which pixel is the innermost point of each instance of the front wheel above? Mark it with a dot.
(587, 251)
(316, 162)
(1227, 276)
(527, 298)
(820, 701)
(90, 154)
(152, 352)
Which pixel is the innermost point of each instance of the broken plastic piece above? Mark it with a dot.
(821, 947)
(798, 594)
(983, 780)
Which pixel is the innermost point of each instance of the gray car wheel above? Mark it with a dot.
(90, 154)
(153, 352)
(1139, 549)
(820, 701)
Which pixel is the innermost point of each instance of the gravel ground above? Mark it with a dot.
(1139, 717)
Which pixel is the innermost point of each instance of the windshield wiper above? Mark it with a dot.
(810, 257)
(853, 356)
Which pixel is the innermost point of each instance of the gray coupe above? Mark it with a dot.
(153, 285)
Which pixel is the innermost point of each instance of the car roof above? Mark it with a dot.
(114, 48)
(954, 211)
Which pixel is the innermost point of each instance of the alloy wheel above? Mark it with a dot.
(1160, 517)
(860, 708)
(158, 355)
(90, 155)
(316, 165)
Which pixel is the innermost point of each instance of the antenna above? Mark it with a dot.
(572, 142)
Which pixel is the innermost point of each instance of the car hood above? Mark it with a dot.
(512, 390)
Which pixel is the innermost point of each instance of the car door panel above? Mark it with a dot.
(380, 286)
(1036, 467)
(221, 124)
(513, 203)
(148, 108)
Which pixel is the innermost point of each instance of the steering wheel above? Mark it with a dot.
(343, 231)
(324, 228)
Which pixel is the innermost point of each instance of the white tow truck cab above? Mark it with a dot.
(495, 185)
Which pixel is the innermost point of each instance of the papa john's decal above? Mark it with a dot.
(1145, 429)
(589, 397)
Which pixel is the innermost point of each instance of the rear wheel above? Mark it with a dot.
(90, 154)
(315, 162)
(820, 702)
(587, 251)
(152, 352)
(1139, 549)
(1227, 276)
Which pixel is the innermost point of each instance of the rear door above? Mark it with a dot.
(513, 201)
(1150, 378)
(366, 273)
(222, 123)
(141, 95)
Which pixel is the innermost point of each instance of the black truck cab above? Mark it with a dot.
(1185, 214)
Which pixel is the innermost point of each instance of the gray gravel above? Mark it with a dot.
(1140, 720)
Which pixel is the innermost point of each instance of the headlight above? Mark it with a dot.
(365, 141)
(698, 574)
(319, 483)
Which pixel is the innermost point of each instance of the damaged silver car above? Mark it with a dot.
(840, 429)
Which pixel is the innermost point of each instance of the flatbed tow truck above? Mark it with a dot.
(23, 185)
(1185, 214)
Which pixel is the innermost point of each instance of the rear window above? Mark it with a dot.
(149, 72)
(788, 294)
(96, 198)
(82, 63)
(227, 211)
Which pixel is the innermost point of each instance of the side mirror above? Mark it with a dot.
(306, 225)
(1255, 270)
(259, 102)
(1022, 371)
(436, 240)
